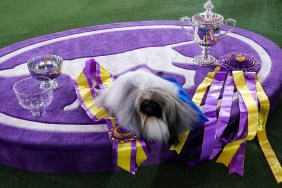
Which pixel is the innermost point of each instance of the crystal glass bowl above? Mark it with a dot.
(47, 65)
(34, 93)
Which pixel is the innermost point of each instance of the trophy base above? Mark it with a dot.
(205, 60)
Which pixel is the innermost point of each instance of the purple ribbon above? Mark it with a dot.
(224, 114)
(237, 163)
(133, 165)
(115, 148)
(210, 112)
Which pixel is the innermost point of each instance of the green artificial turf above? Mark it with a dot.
(24, 19)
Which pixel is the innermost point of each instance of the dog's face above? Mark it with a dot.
(147, 105)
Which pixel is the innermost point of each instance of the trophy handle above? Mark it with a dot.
(189, 31)
(229, 22)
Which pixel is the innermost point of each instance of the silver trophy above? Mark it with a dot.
(206, 32)
(47, 65)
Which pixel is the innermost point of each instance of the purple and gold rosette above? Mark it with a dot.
(128, 151)
(236, 72)
(238, 61)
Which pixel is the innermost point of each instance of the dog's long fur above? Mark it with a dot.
(148, 106)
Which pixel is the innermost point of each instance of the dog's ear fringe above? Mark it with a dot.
(180, 120)
(128, 115)
(100, 100)
(115, 94)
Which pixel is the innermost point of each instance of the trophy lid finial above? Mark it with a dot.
(208, 6)
(208, 17)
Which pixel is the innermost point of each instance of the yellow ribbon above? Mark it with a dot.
(140, 153)
(105, 77)
(123, 149)
(182, 140)
(124, 155)
(268, 152)
(88, 100)
(197, 99)
(202, 88)
(231, 148)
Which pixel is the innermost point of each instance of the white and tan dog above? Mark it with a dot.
(148, 106)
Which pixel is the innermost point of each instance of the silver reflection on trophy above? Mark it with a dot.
(46, 65)
(206, 32)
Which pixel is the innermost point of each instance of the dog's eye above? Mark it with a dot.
(151, 108)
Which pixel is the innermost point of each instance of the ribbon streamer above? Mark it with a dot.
(197, 99)
(237, 163)
(202, 88)
(210, 112)
(254, 107)
(230, 149)
(128, 151)
(267, 150)
(224, 114)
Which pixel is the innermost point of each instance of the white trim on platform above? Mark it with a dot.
(49, 127)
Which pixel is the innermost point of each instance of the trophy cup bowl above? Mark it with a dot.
(47, 65)
(34, 93)
(206, 32)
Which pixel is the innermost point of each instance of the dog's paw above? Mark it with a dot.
(72, 106)
(188, 85)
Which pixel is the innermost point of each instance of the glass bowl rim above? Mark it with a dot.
(33, 77)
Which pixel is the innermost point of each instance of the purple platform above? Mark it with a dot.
(54, 150)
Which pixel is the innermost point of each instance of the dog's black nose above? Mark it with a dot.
(151, 108)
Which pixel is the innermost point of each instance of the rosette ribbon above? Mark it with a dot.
(235, 77)
(254, 107)
(128, 151)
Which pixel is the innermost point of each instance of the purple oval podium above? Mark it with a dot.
(67, 141)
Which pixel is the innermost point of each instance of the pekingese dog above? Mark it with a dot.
(148, 106)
